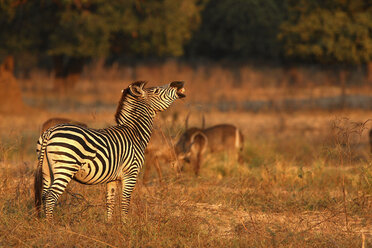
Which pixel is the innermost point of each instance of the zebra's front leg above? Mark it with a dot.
(110, 199)
(128, 184)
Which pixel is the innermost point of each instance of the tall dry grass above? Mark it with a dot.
(306, 180)
(210, 85)
(290, 192)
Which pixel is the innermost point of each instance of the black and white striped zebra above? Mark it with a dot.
(96, 156)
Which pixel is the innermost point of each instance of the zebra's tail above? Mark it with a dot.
(38, 183)
(38, 187)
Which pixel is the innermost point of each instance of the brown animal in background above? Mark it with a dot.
(195, 142)
(191, 147)
(56, 120)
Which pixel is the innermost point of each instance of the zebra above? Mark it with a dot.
(96, 156)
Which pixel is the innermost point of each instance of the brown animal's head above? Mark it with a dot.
(193, 141)
(219, 138)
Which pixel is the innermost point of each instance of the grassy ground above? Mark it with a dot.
(306, 182)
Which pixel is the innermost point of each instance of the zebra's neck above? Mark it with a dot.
(139, 117)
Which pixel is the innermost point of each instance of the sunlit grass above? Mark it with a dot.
(287, 193)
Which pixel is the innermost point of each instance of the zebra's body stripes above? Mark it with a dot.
(108, 155)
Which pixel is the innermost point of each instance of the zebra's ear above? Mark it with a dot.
(136, 88)
(140, 84)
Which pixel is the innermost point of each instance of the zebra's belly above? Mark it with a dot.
(82, 175)
(88, 174)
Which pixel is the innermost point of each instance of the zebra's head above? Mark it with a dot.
(137, 98)
(158, 98)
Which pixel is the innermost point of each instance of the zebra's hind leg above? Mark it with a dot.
(128, 184)
(110, 199)
(62, 176)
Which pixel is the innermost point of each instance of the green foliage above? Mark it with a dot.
(334, 31)
(81, 31)
(96, 28)
(157, 28)
(239, 29)
(17, 32)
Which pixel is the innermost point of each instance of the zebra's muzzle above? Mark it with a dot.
(180, 89)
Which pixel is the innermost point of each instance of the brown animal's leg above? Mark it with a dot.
(198, 161)
(178, 167)
(238, 156)
(240, 159)
(157, 167)
(147, 168)
(182, 165)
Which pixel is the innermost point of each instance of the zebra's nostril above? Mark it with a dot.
(180, 93)
(179, 86)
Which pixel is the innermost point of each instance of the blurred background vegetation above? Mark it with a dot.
(64, 35)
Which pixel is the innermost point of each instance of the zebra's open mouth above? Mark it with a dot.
(180, 92)
(180, 88)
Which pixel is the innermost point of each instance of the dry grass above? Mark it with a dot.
(306, 180)
(289, 193)
(209, 84)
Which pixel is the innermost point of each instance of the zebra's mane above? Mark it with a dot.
(122, 101)
(121, 104)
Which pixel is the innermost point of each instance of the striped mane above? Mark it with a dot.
(121, 105)
(127, 104)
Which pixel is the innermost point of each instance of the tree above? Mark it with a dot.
(17, 32)
(74, 31)
(156, 28)
(16, 36)
(337, 32)
(239, 29)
